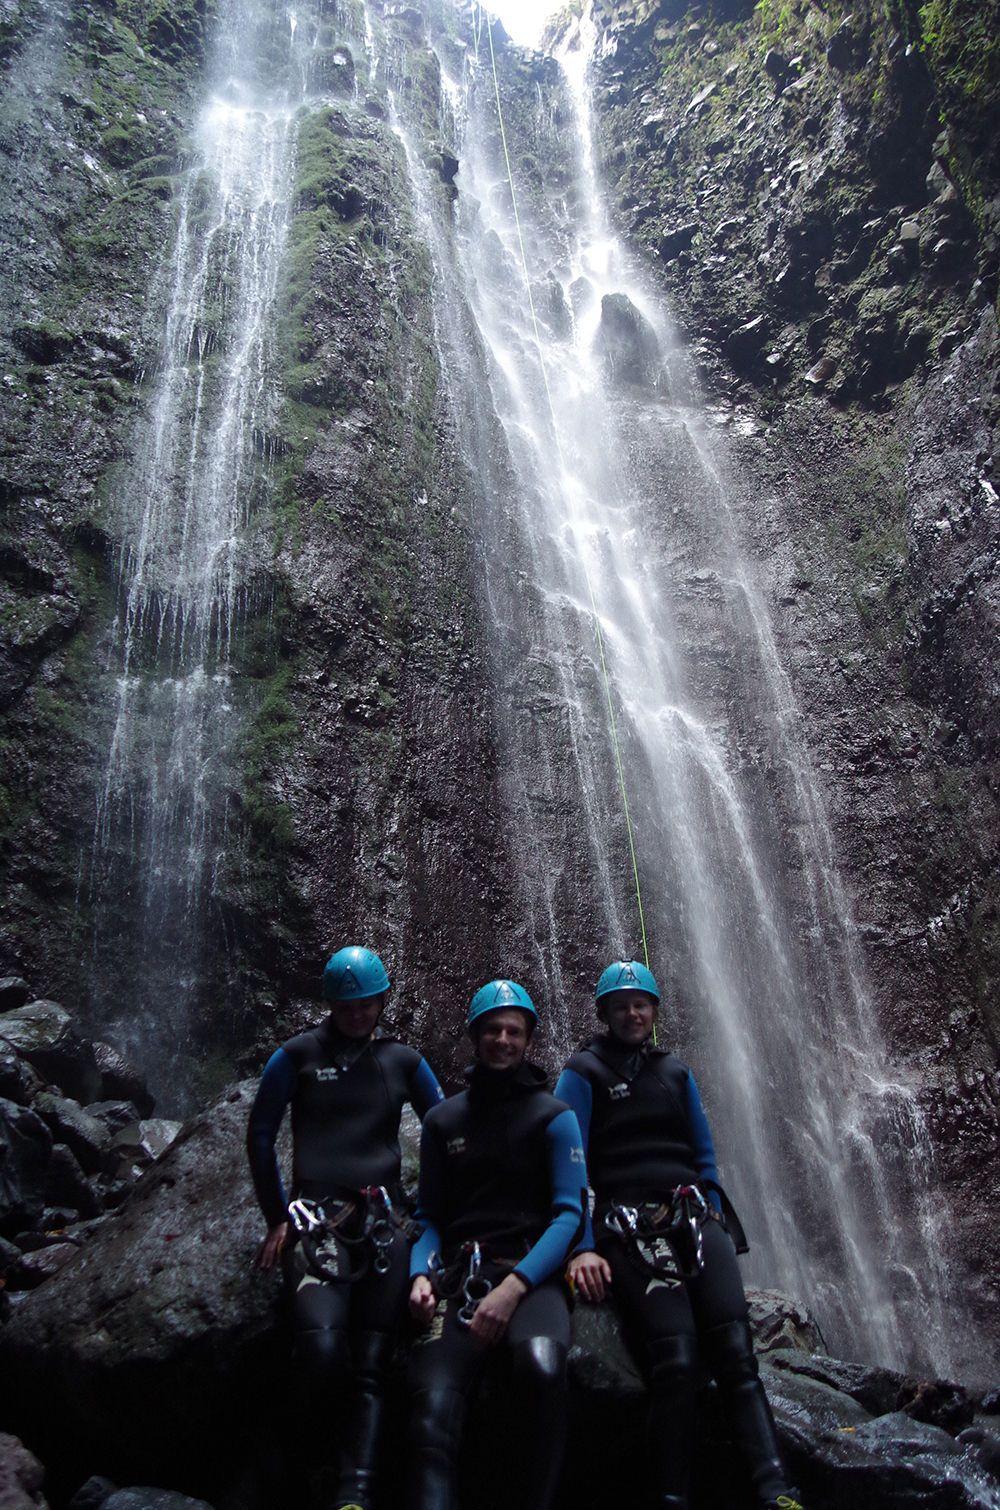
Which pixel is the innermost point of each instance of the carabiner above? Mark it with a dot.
(306, 1215)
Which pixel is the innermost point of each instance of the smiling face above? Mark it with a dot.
(630, 1016)
(357, 1018)
(502, 1039)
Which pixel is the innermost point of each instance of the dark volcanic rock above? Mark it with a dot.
(14, 992)
(43, 1033)
(627, 343)
(152, 1499)
(84, 1134)
(26, 1146)
(151, 1336)
(121, 1081)
(21, 1477)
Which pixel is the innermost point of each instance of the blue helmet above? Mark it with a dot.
(353, 973)
(498, 994)
(627, 975)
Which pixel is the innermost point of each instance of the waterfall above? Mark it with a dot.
(603, 495)
(189, 573)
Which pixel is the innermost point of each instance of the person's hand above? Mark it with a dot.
(271, 1247)
(590, 1274)
(423, 1301)
(495, 1310)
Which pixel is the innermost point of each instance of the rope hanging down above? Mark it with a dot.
(598, 632)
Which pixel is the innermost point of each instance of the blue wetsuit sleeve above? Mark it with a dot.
(569, 1191)
(430, 1195)
(701, 1141)
(425, 1090)
(576, 1091)
(273, 1094)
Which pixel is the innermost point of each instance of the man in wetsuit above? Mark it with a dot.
(347, 1086)
(501, 1189)
(666, 1238)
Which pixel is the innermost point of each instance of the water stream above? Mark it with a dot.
(189, 569)
(606, 498)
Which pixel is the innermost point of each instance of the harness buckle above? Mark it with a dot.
(475, 1287)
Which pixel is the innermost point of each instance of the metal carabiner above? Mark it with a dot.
(619, 1215)
(306, 1215)
(475, 1288)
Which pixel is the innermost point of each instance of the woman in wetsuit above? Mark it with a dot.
(665, 1238)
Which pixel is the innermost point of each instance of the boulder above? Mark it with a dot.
(841, 1455)
(152, 1499)
(14, 992)
(151, 1342)
(25, 1151)
(93, 1494)
(115, 1115)
(779, 1322)
(32, 1269)
(138, 1144)
(626, 343)
(21, 1477)
(121, 1081)
(85, 1135)
(18, 1081)
(43, 1033)
(67, 1185)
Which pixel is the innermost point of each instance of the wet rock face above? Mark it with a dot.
(368, 754)
(831, 252)
(157, 1353)
(626, 343)
(63, 1166)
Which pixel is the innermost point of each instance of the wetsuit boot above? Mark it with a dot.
(538, 1372)
(363, 1420)
(673, 1365)
(437, 1416)
(729, 1354)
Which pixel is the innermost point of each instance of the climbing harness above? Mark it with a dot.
(332, 1252)
(598, 633)
(463, 1277)
(665, 1239)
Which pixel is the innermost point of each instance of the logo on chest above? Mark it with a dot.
(621, 1091)
(329, 1072)
(455, 1145)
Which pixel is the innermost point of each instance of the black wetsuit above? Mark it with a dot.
(501, 1164)
(346, 1100)
(646, 1134)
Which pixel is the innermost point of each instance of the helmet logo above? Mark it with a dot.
(349, 983)
(506, 992)
(628, 974)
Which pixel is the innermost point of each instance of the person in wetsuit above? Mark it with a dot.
(349, 1268)
(502, 1184)
(661, 1220)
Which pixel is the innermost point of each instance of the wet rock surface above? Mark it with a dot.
(157, 1351)
(832, 253)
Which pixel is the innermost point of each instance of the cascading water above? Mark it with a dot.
(599, 492)
(184, 510)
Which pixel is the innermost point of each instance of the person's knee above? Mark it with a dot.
(538, 1362)
(673, 1362)
(323, 1355)
(730, 1354)
(436, 1418)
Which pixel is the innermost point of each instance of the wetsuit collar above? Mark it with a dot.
(625, 1061)
(487, 1085)
(346, 1051)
